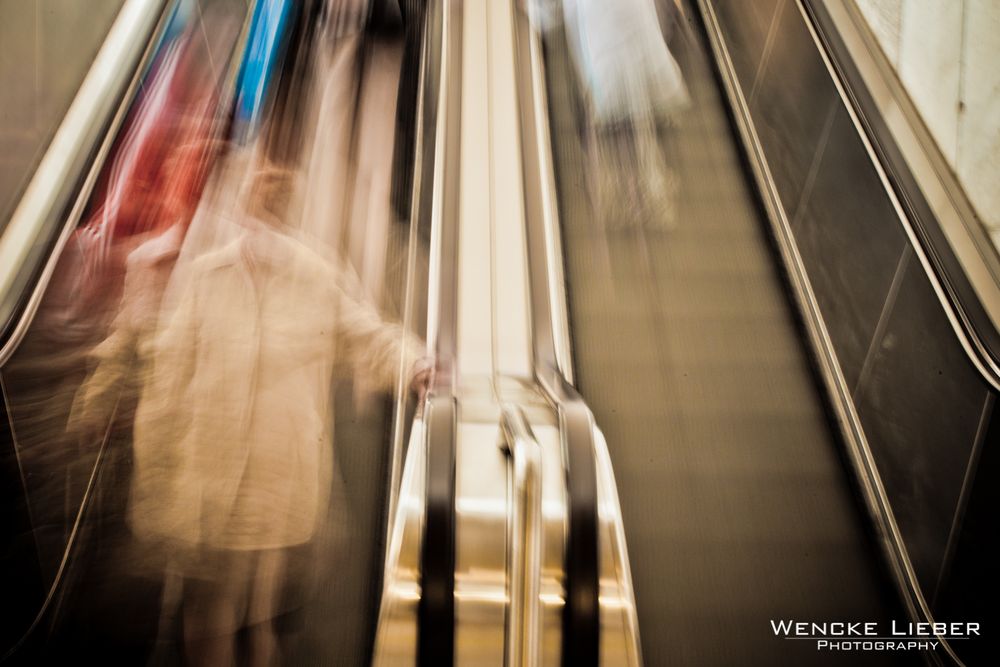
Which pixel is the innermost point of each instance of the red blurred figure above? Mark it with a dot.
(153, 180)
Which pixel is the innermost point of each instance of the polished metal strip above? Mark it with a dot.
(436, 609)
(581, 638)
(418, 195)
(67, 172)
(525, 541)
(858, 450)
(445, 18)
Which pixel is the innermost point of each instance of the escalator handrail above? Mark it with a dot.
(436, 609)
(437, 200)
(581, 628)
(525, 537)
(976, 329)
(55, 197)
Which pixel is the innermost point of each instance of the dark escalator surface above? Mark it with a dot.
(737, 505)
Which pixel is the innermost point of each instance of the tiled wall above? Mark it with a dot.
(947, 55)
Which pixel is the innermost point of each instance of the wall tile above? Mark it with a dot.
(885, 19)
(929, 61)
(979, 120)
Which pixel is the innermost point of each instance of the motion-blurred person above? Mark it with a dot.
(147, 186)
(151, 181)
(358, 57)
(113, 382)
(233, 430)
(634, 88)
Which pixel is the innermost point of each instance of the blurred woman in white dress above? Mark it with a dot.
(634, 88)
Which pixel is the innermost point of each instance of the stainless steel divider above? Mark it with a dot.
(583, 640)
(525, 539)
(479, 569)
(439, 200)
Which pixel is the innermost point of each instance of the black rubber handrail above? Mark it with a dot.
(581, 627)
(439, 183)
(947, 266)
(581, 620)
(436, 610)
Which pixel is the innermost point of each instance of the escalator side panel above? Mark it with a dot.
(921, 402)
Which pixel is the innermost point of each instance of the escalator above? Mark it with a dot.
(741, 502)
(759, 368)
(736, 504)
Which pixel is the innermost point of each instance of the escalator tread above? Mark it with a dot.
(737, 505)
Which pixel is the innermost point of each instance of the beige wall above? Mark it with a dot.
(46, 47)
(947, 54)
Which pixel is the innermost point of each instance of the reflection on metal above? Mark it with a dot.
(399, 425)
(525, 539)
(597, 560)
(497, 323)
(436, 622)
(54, 199)
(551, 334)
(396, 638)
(417, 615)
(581, 623)
(858, 449)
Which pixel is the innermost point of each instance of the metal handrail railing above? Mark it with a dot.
(54, 199)
(581, 635)
(438, 201)
(525, 540)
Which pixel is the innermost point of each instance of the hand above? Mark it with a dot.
(422, 377)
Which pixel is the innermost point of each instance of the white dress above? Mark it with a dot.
(623, 60)
(234, 425)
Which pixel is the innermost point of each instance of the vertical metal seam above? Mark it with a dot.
(883, 321)
(964, 493)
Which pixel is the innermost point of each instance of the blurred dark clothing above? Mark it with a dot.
(413, 16)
